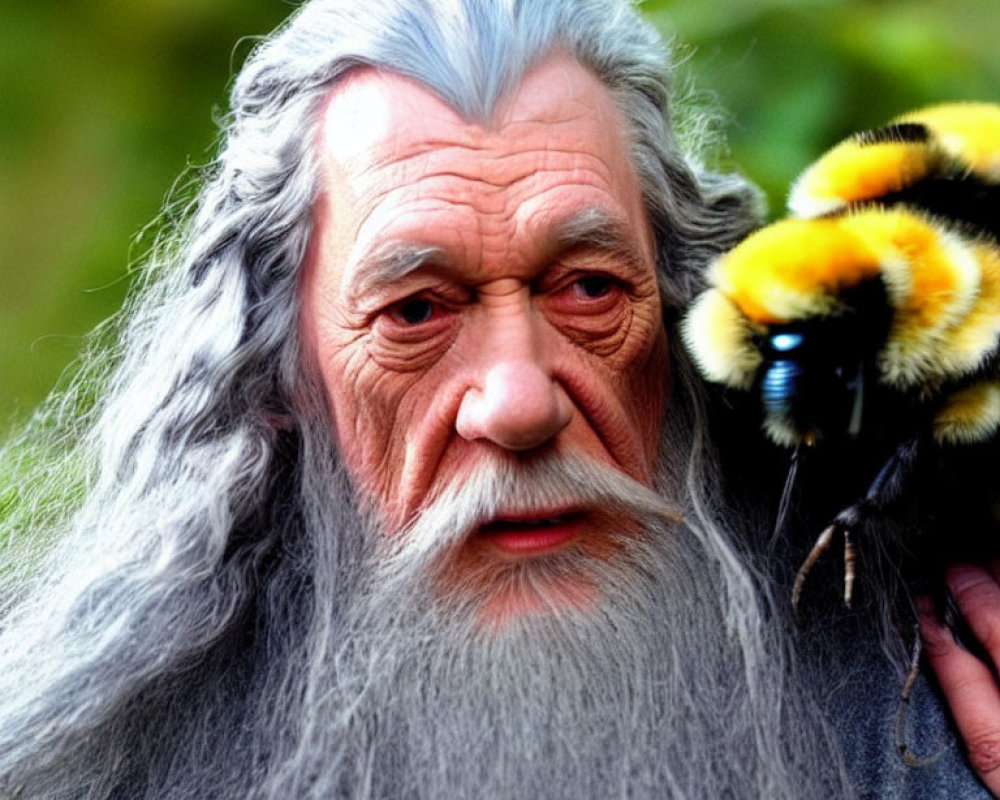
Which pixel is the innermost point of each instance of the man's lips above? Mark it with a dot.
(527, 535)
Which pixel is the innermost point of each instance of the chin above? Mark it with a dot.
(499, 585)
(536, 596)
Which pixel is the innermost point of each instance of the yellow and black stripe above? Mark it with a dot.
(912, 207)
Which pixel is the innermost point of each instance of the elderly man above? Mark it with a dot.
(401, 485)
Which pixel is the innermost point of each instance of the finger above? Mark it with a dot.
(972, 694)
(977, 595)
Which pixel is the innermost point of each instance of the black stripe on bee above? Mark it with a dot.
(967, 203)
(898, 132)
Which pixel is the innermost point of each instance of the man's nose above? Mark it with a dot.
(517, 405)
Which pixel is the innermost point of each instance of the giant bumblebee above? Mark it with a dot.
(874, 311)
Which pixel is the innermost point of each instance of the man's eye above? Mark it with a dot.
(593, 287)
(414, 311)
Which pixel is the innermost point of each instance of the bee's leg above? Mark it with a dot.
(850, 565)
(821, 545)
(888, 484)
(886, 487)
(906, 755)
(844, 523)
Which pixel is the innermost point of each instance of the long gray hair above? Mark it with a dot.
(165, 544)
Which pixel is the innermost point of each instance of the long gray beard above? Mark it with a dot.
(362, 667)
(656, 688)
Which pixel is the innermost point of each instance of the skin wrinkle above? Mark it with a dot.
(418, 472)
(605, 329)
(496, 172)
(595, 415)
(437, 438)
(452, 205)
(608, 340)
(374, 460)
(580, 390)
(479, 139)
(401, 355)
(385, 267)
(386, 264)
(440, 153)
(594, 228)
(508, 243)
(599, 416)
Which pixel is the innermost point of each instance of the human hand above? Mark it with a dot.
(971, 687)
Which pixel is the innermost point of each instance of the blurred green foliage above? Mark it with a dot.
(795, 76)
(104, 104)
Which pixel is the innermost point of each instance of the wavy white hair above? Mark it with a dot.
(188, 597)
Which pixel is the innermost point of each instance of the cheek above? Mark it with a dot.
(364, 400)
(620, 398)
(650, 392)
(643, 386)
(370, 407)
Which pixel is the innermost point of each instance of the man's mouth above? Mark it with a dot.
(532, 534)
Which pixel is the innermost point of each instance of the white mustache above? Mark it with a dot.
(536, 487)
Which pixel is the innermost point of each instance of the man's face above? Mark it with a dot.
(477, 294)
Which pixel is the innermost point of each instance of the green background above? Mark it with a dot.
(104, 104)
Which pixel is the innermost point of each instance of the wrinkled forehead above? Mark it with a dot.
(399, 163)
(372, 114)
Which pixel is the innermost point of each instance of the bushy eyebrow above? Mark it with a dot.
(595, 228)
(389, 261)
